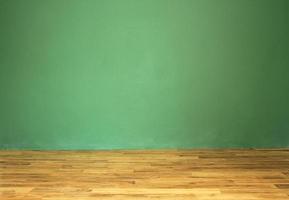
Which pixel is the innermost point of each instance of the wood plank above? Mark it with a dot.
(201, 174)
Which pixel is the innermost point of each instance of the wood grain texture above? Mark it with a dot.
(255, 174)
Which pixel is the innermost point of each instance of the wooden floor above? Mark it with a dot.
(173, 175)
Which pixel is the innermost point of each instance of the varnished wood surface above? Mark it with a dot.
(167, 174)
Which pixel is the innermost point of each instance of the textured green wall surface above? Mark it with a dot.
(129, 74)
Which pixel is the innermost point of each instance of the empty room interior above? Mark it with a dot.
(144, 99)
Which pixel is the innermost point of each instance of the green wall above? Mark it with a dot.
(123, 74)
